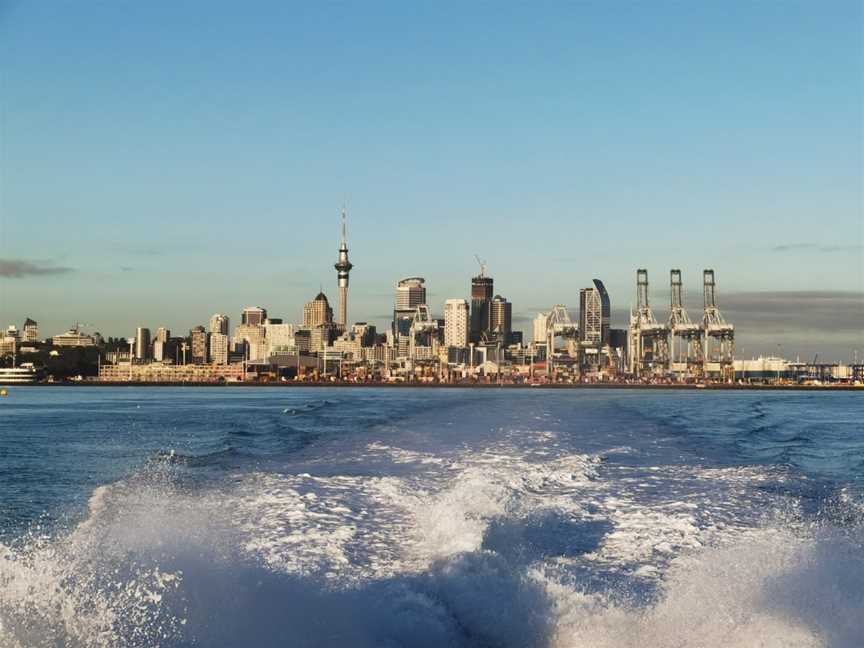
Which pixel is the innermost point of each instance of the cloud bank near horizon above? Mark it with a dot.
(20, 268)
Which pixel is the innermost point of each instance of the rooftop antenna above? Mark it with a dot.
(482, 265)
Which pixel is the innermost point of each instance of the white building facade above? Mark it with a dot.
(456, 319)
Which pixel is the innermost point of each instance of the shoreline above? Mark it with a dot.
(410, 385)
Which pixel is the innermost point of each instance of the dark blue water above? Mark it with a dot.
(280, 517)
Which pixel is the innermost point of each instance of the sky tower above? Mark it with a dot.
(343, 267)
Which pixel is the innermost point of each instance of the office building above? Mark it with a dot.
(159, 346)
(279, 336)
(365, 333)
(142, 343)
(73, 338)
(501, 319)
(456, 322)
(540, 330)
(410, 293)
(253, 316)
(220, 324)
(30, 332)
(198, 345)
(317, 312)
(218, 351)
(590, 317)
(250, 340)
(481, 301)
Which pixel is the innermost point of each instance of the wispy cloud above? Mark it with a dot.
(20, 268)
(813, 247)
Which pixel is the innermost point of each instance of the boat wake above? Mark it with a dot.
(504, 545)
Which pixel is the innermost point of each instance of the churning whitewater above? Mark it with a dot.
(420, 517)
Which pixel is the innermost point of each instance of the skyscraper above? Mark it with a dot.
(219, 324)
(456, 323)
(253, 316)
(317, 312)
(199, 345)
(343, 267)
(142, 343)
(218, 348)
(30, 331)
(540, 328)
(160, 342)
(594, 313)
(481, 300)
(410, 293)
(501, 319)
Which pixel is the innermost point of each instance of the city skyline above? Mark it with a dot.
(158, 187)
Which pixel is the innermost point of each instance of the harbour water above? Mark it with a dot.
(418, 517)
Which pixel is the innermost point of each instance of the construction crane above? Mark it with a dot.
(482, 265)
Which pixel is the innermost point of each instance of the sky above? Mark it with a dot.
(161, 162)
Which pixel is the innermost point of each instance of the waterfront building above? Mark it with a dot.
(220, 324)
(30, 331)
(73, 338)
(160, 372)
(198, 345)
(253, 316)
(456, 317)
(317, 312)
(343, 268)
(218, 351)
(501, 319)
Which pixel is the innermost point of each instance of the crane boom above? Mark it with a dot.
(482, 265)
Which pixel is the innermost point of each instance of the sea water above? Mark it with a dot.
(430, 517)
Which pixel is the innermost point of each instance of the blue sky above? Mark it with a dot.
(178, 161)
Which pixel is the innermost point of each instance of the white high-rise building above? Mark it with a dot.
(279, 337)
(219, 324)
(456, 318)
(218, 348)
(540, 332)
